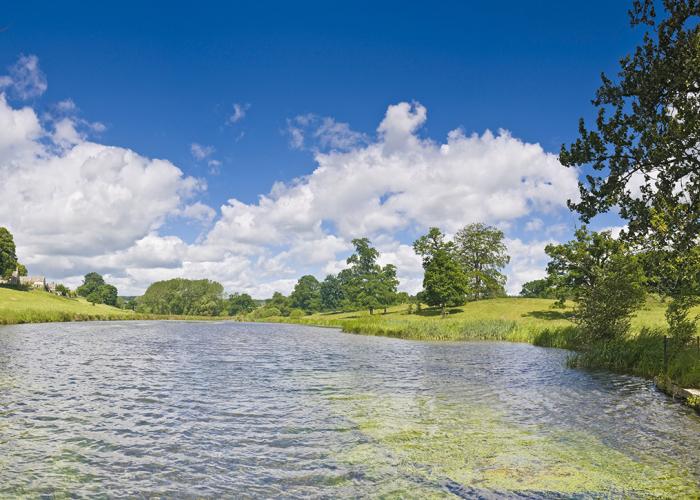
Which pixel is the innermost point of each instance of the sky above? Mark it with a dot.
(250, 142)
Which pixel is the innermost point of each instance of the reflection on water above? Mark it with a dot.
(230, 409)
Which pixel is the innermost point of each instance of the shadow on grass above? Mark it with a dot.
(436, 311)
(549, 314)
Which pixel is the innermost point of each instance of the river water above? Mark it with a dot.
(235, 410)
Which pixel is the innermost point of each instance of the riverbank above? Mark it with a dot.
(34, 306)
(532, 321)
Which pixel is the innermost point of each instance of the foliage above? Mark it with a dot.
(182, 296)
(483, 255)
(91, 282)
(331, 293)
(62, 290)
(365, 283)
(8, 255)
(306, 294)
(602, 276)
(280, 302)
(644, 153)
(267, 311)
(240, 303)
(541, 288)
(22, 269)
(444, 282)
(96, 291)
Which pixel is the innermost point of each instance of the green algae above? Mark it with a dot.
(416, 445)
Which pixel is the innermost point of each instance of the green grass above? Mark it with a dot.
(533, 321)
(35, 306)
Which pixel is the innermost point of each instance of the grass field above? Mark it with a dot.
(533, 321)
(34, 306)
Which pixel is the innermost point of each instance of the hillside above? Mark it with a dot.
(37, 307)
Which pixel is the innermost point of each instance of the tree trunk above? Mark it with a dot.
(444, 311)
(371, 310)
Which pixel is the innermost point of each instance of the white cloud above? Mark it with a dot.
(26, 80)
(200, 152)
(239, 112)
(98, 207)
(322, 134)
(528, 261)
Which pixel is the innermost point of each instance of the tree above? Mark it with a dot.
(367, 284)
(8, 255)
(444, 282)
(643, 154)
(604, 279)
(306, 295)
(91, 282)
(182, 296)
(279, 302)
(62, 290)
(107, 294)
(389, 282)
(240, 303)
(482, 254)
(331, 292)
(537, 289)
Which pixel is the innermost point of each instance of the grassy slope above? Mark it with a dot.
(534, 321)
(41, 307)
(38, 306)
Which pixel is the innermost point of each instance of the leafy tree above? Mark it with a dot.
(643, 153)
(107, 294)
(280, 302)
(331, 293)
(62, 290)
(240, 303)
(8, 255)
(482, 254)
(91, 283)
(444, 282)
(537, 289)
(183, 296)
(266, 311)
(389, 282)
(366, 284)
(604, 278)
(22, 269)
(306, 295)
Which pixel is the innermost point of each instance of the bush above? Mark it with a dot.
(296, 313)
(266, 312)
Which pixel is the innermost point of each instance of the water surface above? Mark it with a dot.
(177, 409)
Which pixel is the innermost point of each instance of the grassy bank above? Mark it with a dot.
(533, 321)
(34, 306)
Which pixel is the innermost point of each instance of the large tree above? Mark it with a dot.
(642, 156)
(444, 282)
(240, 303)
(602, 276)
(366, 283)
(8, 255)
(182, 296)
(482, 254)
(91, 283)
(331, 292)
(306, 294)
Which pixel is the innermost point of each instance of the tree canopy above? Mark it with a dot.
(8, 255)
(95, 290)
(482, 254)
(306, 295)
(444, 282)
(642, 155)
(183, 296)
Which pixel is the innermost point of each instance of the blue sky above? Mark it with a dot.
(160, 77)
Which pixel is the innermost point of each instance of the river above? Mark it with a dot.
(235, 410)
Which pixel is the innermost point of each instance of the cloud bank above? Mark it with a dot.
(75, 205)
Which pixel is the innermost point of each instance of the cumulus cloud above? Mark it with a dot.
(25, 79)
(67, 199)
(104, 208)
